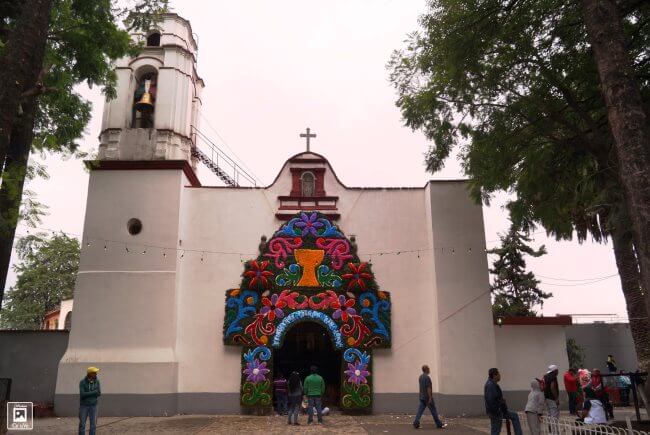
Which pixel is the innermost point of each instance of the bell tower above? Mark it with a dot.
(158, 98)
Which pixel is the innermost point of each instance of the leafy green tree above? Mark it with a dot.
(515, 291)
(46, 275)
(628, 120)
(47, 47)
(520, 98)
(575, 353)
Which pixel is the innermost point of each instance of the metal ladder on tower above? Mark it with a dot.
(214, 167)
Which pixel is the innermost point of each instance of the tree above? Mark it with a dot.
(515, 291)
(47, 47)
(46, 275)
(520, 96)
(627, 118)
(575, 353)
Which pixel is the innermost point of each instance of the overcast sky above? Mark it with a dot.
(273, 68)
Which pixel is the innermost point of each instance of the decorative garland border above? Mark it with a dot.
(305, 315)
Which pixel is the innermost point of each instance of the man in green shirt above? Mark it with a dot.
(314, 388)
(89, 391)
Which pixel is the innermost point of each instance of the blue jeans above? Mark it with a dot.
(432, 408)
(282, 403)
(294, 407)
(90, 412)
(314, 401)
(497, 420)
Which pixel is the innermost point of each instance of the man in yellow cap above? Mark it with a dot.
(89, 391)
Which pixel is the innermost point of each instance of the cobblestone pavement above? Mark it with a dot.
(234, 424)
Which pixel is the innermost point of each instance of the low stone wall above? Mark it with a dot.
(31, 359)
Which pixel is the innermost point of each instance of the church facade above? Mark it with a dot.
(191, 298)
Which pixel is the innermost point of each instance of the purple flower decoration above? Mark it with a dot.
(309, 224)
(256, 371)
(272, 307)
(357, 373)
(343, 308)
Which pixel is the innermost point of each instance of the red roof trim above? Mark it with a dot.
(530, 321)
(51, 313)
(129, 165)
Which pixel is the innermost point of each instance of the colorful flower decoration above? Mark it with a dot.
(357, 276)
(309, 224)
(343, 308)
(258, 275)
(357, 373)
(256, 371)
(273, 307)
(308, 271)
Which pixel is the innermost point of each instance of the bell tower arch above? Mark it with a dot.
(158, 99)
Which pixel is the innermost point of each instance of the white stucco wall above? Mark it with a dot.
(464, 314)
(233, 220)
(525, 352)
(125, 301)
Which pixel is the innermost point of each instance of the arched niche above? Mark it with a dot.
(144, 97)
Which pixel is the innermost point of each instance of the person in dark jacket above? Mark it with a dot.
(495, 405)
(89, 391)
(295, 397)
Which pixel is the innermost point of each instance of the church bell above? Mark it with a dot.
(145, 104)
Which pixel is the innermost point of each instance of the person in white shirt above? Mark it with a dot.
(535, 407)
(593, 411)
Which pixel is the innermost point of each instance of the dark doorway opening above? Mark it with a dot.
(307, 344)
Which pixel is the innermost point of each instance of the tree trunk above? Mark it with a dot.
(627, 120)
(20, 68)
(628, 271)
(23, 55)
(13, 181)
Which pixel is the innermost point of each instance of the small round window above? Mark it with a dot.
(134, 226)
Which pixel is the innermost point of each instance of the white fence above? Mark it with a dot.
(552, 426)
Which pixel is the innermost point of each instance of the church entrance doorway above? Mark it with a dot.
(306, 344)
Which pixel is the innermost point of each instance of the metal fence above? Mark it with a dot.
(562, 426)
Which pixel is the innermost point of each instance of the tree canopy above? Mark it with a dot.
(519, 96)
(46, 275)
(81, 40)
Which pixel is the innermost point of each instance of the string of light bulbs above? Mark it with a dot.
(133, 247)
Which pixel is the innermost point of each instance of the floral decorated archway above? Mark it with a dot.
(308, 271)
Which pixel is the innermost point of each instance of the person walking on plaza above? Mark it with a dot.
(535, 408)
(314, 388)
(552, 392)
(295, 397)
(495, 405)
(89, 391)
(426, 399)
(280, 390)
(571, 387)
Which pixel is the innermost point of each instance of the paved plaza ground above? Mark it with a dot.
(233, 424)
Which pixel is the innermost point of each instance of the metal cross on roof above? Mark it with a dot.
(307, 135)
